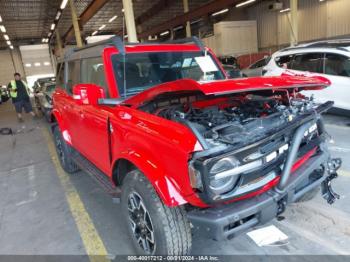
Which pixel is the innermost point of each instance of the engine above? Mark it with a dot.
(234, 120)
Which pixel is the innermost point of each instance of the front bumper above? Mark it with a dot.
(229, 220)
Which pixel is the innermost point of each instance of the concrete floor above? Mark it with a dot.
(45, 211)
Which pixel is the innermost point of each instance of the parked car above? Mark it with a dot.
(38, 84)
(256, 68)
(232, 72)
(231, 67)
(185, 148)
(44, 98)
(330, 59)
(4, 95)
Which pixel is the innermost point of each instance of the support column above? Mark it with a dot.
(59, 43)
(75, 24)
(188, 25)
(293, 22)
(130, 21)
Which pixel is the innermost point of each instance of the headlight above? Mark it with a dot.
(222, 184)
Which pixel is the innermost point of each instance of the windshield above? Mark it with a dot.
(145, 70)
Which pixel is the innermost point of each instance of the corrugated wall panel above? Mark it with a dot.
(317, 20)
(7, 68)
(338, 18)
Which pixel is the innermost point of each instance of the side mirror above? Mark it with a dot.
(87, 94)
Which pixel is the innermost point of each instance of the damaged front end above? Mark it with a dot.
(251, 142)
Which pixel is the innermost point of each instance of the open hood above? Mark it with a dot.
(222, 87)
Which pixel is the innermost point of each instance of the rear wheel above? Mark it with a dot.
(64, 152)
(155, 228)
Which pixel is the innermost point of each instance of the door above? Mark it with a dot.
(92, 125)
(337, 70)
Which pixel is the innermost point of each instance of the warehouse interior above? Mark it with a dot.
(45, 211)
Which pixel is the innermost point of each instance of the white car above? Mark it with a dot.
(330, 59)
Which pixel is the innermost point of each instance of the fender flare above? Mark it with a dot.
(155, 174)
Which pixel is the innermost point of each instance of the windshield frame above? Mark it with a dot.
(119, 85)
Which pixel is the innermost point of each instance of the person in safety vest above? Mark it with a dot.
(19, 93)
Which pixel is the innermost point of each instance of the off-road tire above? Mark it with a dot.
(64, 152)
(309, 195)
(172, 232)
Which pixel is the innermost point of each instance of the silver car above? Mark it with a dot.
(256, 68)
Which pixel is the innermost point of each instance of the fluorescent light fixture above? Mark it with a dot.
(321, 0)
(6, 37)
(11, 46)
(49, 34)
(112, 19)
(123, 10)
(94, 33)
(63, 4)
(37, 64)
(0, 19)
(198, 20)
(43, 40)
(58, 15)
(2, 29)
(285, 10)
(101, 27)
(126, 36)
(245, 3)
(164, 33)
(178, 27)
(46, 63)
(53, 26)
(28, 65)
(8, 42)
(220, 12)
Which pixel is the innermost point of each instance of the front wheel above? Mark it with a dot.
(155, 228)
(64, 152)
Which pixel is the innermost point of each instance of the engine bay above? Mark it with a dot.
(231, 120)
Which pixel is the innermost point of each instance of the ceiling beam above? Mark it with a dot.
(87, 14)
(148, 14)
(213, 6)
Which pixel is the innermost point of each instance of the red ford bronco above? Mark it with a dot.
(186, 149)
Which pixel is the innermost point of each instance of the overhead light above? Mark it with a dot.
(123, 10)
(0, 19)
(126, 36)
(11, 46)
(285, 10)
(178, 27)
(94, 33)
(220, 12)
(8, 42)
(49, 34)
(58, 15)
(198, 20)
(43, 40)
(6, 37)
(245, 3)
(2, 29)
(112, 19)
(28, 65)
(101, 27)
(321, 0)
(53, 26)
(63, 4)
(37, 64)
(46, 63)
(164, 33)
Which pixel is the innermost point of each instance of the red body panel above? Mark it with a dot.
(160, 148)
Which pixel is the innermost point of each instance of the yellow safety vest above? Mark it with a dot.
(13, 90)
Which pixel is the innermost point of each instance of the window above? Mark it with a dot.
(337, 65)
(144, 70)
(60, 75)
(260, 63)
(284, 61)
(312, 62)
(73, 75)
(92, 71)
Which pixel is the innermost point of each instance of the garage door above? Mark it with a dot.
(36, 60)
